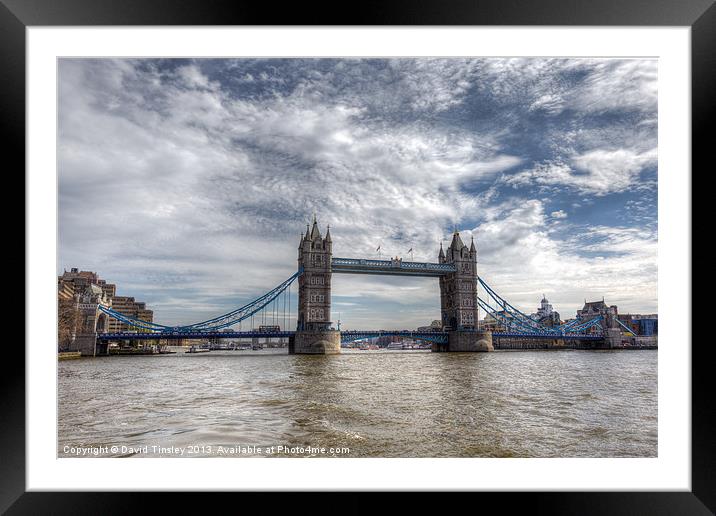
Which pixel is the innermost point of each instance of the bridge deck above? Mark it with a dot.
(345, 336)
(390, 267)
(195, 335)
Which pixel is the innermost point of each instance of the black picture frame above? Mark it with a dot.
(16, 15)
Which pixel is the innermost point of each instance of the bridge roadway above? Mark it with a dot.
(346, 336)
(390, 267)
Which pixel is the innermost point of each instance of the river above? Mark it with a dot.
(360, 404)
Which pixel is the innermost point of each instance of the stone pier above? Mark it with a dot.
(86, 344)
(466, 341)
(613, 337)
(320, 342)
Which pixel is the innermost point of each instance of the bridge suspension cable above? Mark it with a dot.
(511, 317)
(216, 323)
(280, 296)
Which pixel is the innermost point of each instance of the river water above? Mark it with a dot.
(361, 404)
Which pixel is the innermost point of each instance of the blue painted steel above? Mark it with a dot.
(217, 323)
(585, 325)
(502, 301)
(390, 267)
(524, 318)
(137, 323)
(127, 335)
(514, 320)
(347, 336)
(526, 324)
(569, 324)
(625, 326)
(238, 315)
(513, 323)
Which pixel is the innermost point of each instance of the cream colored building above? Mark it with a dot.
(129, 307)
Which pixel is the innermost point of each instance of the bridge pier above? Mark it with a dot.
(466, 341)
(292, 345)
(613, 337)
(316, 342)
(86, 344)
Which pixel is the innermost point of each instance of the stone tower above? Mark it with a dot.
(91, 321)
(458, 300)
(314, 285)
(313, 330)
(458, 290)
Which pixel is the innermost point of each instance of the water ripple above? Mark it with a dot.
(377, 404)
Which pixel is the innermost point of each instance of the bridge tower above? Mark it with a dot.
(458, 290)
(90, 322)
(458, 299)
(313, 332)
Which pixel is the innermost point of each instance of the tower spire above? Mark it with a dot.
(315, 232)
(456, 244)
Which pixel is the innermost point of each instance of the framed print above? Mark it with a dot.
(422, 249)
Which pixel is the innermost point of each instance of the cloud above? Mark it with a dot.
(586, 86)
(597, 172)
(189, 182)
(519, 253)
(618, 84)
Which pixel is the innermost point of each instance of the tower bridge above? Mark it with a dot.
(456, 271)
(458, 280)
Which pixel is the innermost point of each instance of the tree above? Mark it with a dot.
(67, 318)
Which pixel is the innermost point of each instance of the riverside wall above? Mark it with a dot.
(516, 343)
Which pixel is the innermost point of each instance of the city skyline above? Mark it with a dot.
(188, 182)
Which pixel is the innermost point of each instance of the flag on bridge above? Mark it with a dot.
(378, 248)
(410, 250)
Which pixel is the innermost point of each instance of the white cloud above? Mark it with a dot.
(521, 256)
(549, 84)
(614, 84)
(175, 187)
(193, 77)
(597, 172)
(176, 178)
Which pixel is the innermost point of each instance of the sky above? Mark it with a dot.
(188, 182)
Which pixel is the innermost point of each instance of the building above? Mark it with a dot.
(78, 319)
(436, 325)
(78, 294)
(593, 309)
(546, 315)
(648, 324)
(129, 307)
(645, 325)
(76, 290)
(79, 280)
(65, 290)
